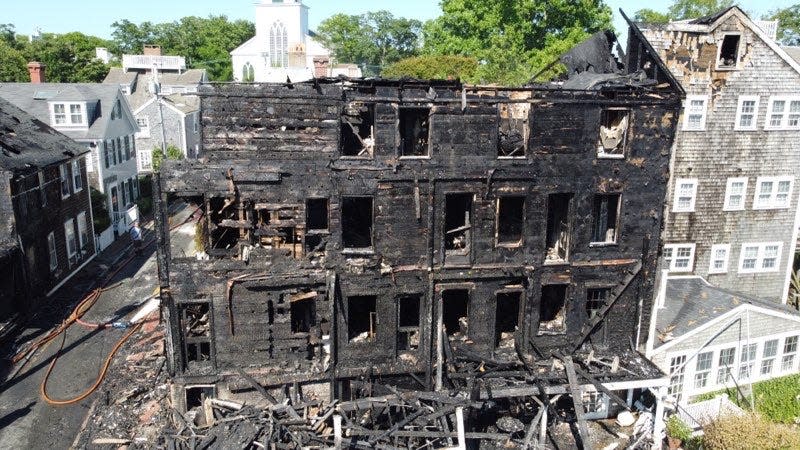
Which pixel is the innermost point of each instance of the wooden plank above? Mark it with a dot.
(575, 392)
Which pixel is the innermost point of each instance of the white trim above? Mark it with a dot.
(760, 257)
(735, 65)
(68, 122)
(52, 251)
(69, 230)
(728, 185)
(687, 113)
(737, 125)
(784, 115)
(772, 202)
(790, 256)
(144, 105)
(76, 175)
(712, 258)
(63, 176)
(77, 269)
(671, 266)
(677, 194)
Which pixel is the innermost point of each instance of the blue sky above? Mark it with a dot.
(96, 16)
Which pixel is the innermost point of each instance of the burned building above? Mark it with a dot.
(357, 230)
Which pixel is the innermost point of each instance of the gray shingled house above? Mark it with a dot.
(97, 117)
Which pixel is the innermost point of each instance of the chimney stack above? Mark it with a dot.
(152, 50)
(36, 71)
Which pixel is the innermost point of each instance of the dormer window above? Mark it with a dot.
(68, 114)
(728, 56)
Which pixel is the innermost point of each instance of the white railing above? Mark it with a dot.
(147, 62)
(123, 219)
(104, 239)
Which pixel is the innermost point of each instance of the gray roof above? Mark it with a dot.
(139, 95)
(34, 97)
(27, 144)
(793, 52)
(692, 302)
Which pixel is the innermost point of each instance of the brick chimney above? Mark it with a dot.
(152, 50)
(36, 70)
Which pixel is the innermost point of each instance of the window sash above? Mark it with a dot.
(52, 251)
(685, 195)
(695, 112)
(679, 257)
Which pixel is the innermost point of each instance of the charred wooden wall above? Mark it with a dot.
(269, 148)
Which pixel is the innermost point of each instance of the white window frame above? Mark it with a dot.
(701, 374)
(772, 201)
(63, 174)
(712, 258)
(750, 351)
(788, 356)
(671, 260)
(739, 113)
(677, 375)
(144, 127)
(83, 231)
(760, 257)
(679, 194)
(784, 115)
(729, 193)
(70, 238)
(77, 179)
(687, 112)
(724, 371)
(52, 251)
(768, 360)
(735, 65)
(66, 117)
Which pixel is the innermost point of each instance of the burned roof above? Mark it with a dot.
(711, 18)
(27, 143)
(692, 302)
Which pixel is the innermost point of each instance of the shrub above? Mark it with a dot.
(99, 210)
(145, 205)
(776, 399)
(748, 432)
(677, 429)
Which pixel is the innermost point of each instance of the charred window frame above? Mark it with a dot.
(596, 298)
(606, 213)
(303, 311)
(506, 318)
(317, 224)
(510, 221)
(414, 127)
(362, 318)
(455, 310)
(513, 130)
(553, 309)
(613, 135)
(729, 51)
(408, 322)
(458, 223)
(357, 224)
(559, 227)
(196, 325)
(222, 215)
(357, 130)
(195, 395)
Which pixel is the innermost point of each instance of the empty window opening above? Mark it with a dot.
(606, 214)
(361, 318)
(289, 239)
(357, 222)
(270, 312)
(315, 243)
(552, 310)
(196, 395)
(303, 312)
(510, 220)
(455, 312)
(512, 140)
(317, 214)
(357, 130)
(408, 322)
(196, 329)
(558, 226)
(613, 131)
(729, 51)
(506, 318)
(458, 222)
(414, 128)
(223, 211)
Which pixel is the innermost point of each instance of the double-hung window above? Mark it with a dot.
(702, 369)
(789, 354)
(677, 367)
(747, 359)
(83, 231)
(783, 113)
(746, 113)
(694, 116)
(719, 258)
(735, 192)
(59, 114)
(69, 232)
(769, 353)
(63, 171)
(773, 192)
(679, 257)
(725, 364)
(685, 195)
(760, 257)
(52, 251)
(77, 180)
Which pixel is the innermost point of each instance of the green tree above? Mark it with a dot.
(173, 152)
(204, 42)
(373, 39)
(12, 64)
(512, 39)
(788, 24)
(439, 67)
(682, 10)
(69, 58)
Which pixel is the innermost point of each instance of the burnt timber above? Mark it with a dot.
(417, 232)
